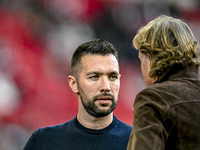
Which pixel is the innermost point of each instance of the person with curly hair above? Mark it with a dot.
(166, 113)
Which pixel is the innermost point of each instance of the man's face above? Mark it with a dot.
(145, 67)
(98, 84)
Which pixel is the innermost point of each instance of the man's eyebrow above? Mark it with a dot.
(114, 72)
(93, 72)
(99, 73)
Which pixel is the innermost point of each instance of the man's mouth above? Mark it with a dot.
(105, 98)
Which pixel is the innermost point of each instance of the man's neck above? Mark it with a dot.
(92, 122)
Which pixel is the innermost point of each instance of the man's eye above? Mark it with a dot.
(94, 77)
(113, 77)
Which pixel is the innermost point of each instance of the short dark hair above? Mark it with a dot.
(94, 47)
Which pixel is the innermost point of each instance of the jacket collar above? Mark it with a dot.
(177, 71)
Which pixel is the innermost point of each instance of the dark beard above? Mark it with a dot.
(93, 110)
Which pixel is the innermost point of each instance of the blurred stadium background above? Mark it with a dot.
(37, 39)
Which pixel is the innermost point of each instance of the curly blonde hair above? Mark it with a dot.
(168, 41)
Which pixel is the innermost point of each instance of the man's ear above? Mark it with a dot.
(73, 83)
(149, 60)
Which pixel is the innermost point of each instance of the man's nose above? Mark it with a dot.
(105, 84)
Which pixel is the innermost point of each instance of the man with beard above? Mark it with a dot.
(95, 79)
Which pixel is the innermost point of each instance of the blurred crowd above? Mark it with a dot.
(37, 39)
